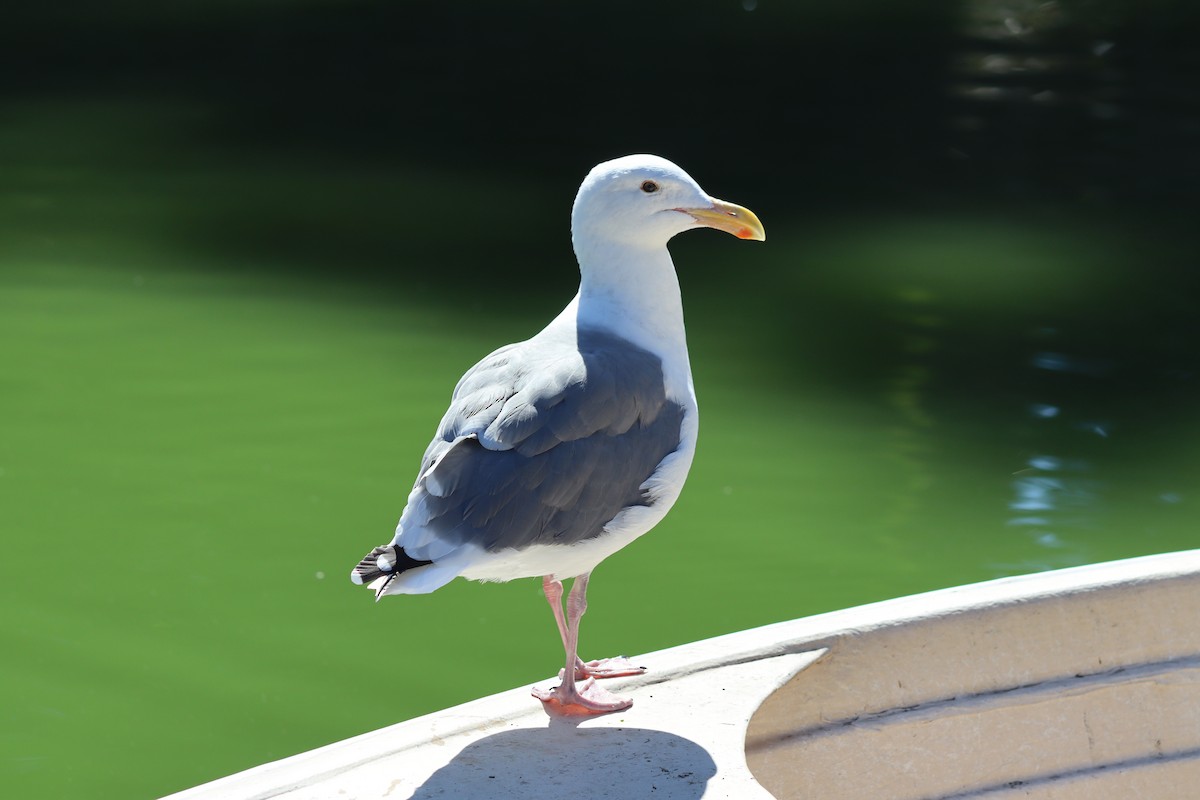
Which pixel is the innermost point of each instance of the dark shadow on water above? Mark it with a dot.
(564, 758)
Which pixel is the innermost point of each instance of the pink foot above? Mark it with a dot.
(618, 667)
(580, 700)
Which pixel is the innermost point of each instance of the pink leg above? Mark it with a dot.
(569, 698)
(617, 667)
(553, 591)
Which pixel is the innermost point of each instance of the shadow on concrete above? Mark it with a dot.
(563, 759)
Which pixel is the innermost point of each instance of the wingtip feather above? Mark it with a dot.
(380, 567)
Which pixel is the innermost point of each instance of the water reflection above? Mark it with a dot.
(1061, 362)
(1049, 494)
(1030, 69)
(1056, 494)
(1050, 497)
(909, 444)
(1043, 410)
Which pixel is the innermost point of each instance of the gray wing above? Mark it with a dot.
(546, 443)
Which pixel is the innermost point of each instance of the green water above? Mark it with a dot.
(218, 377)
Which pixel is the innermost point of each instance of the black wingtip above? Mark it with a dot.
(390, 560)
(369, 568)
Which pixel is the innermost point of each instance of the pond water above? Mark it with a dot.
(204, 426)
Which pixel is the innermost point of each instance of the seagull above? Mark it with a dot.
(558, 451)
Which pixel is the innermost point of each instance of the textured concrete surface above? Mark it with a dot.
(1078, 683)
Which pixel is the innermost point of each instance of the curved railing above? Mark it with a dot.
(1076, 683)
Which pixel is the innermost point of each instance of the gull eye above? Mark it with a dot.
(649, 187)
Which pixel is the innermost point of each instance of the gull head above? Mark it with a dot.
(642, 201)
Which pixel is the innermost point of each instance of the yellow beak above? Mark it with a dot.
(741, 222)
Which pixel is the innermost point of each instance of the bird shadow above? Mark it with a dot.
(561, 759)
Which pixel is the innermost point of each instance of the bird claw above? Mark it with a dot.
(618, 667)
(580, 700)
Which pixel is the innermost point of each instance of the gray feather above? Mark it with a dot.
(548, 445)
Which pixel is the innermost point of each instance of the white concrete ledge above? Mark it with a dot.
(682, 740)
(1069, 684)
(1074, 684)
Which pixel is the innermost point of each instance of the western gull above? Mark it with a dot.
(558, 451)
